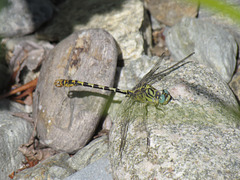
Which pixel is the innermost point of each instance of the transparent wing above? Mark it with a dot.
(130, 112)
(152, 76)
(159, 75)
(126, 118)
(147, 76)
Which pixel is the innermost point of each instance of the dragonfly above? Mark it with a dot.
(143, 92)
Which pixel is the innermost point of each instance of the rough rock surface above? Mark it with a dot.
(126, 21)
(194, 136)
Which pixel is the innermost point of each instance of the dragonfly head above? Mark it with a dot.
(165, 97)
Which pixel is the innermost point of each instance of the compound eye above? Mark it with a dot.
(162, 99)
(165, 97)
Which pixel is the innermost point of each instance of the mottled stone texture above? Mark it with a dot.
(66, 122)
(195, 136)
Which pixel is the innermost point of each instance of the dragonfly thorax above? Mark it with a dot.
(148, 94)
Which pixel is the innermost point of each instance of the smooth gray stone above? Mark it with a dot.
(99, 170)
(213, 46)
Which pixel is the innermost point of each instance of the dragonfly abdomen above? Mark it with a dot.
(144, 93)
(70, 83)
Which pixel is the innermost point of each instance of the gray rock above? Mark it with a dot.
(62, 165)
(54, 167)
(195, 136)
(99, 170)
(222, 19)
(89, 154)
(67, 122)
(22, 17)
(213, 46)
(13, 132)
(126, 21)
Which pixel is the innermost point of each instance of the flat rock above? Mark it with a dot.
(67, 120)
(195, 136)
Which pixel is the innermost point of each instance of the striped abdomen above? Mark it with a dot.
(70, 83)
(144, 93)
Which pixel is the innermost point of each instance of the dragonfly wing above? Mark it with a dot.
(127, 116)
(146, 77)
(158, 76)
(130, 115)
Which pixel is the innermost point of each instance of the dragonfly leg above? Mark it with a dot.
(158, 108)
